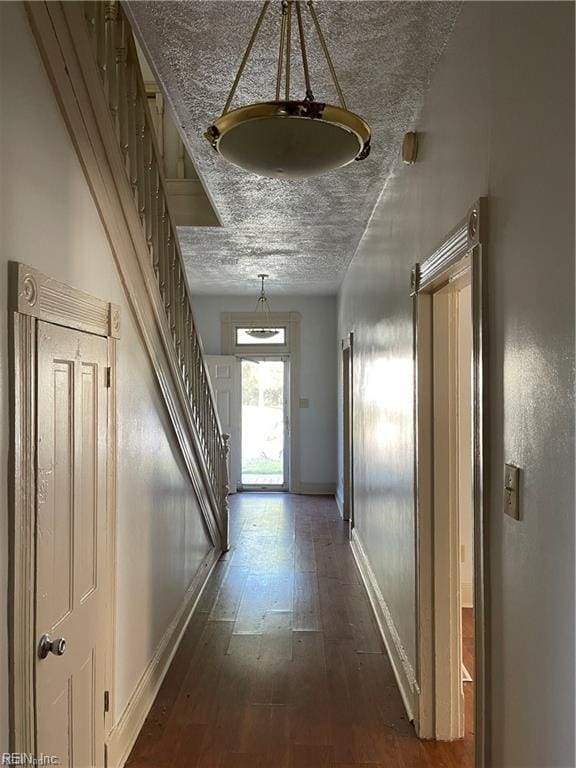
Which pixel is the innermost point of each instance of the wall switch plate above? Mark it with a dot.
(512, 491)
(304, 402)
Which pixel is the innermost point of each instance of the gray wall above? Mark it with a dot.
(317, 372)
(498, 121)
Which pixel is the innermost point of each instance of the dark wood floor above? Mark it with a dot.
(468, 660)
(282, 665)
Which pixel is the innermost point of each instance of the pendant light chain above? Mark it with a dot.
(281, 51)
(262, 303)
(284, 53)
(288, 49)
(327, 54)
(309, 93)
(246, 55)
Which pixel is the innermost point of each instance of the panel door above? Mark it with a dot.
(70, 551)
(224, 372)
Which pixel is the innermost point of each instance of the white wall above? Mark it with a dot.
(49, 221)
(498, 121)
(318, 361)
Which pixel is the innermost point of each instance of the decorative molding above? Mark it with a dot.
(317, 489)
(33, 293)
(471, 231)
(124, 734)
(111, 533)
(403, 670)
(22, 501)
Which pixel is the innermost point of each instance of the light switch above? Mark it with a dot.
(304, 402)
(512, 491)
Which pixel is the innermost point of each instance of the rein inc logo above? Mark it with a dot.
(27, 758)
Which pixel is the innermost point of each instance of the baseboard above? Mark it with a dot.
(125, 732)
(403, 670)
(339, 501)
(317, 489)
(467, 594)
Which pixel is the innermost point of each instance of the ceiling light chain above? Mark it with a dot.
(247, 53)
(327, 54)
(266, 329)
(288, 48)
(281, 51)
(309, 93)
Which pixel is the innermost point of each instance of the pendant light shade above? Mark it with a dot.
(265, 331)
(285, 137)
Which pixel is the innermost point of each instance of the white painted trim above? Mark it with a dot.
(467, 594)
(403, 670)
(35, 294)
(124, 734)
(347, 371)
(339, 501)
(317, 489)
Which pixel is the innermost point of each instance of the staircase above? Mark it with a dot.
(104, 101)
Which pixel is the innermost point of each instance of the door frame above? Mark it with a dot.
(229, 322)
(348, 429)
(286, 485)
(463, 250)
(32, 296)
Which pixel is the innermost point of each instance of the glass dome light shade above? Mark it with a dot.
(290, 139)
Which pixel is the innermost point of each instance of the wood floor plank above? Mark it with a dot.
(306, 605)
(230, 594)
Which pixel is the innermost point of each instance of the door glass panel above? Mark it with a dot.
(263, 408)
(243, 337)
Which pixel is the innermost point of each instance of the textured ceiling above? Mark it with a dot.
(303, 232)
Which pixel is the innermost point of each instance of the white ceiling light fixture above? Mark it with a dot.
(286, 137)
(266, 329)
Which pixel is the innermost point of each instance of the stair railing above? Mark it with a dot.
(116, 56)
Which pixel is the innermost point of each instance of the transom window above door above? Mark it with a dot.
(245, 338)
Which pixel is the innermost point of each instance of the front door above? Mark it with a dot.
(264, 424)
(70, 554)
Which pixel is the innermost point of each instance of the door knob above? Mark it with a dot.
(47, 645)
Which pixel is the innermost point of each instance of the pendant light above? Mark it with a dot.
(265, 331)
(287, 137)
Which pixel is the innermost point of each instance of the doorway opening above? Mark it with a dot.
(264, 424)
(347, 431)
(450, 468)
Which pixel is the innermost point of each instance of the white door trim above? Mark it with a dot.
(348, 428)
(33, 296)
(464, 248)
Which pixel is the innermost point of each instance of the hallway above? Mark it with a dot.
(282, 665)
